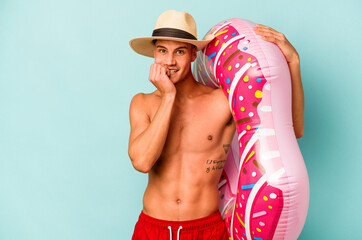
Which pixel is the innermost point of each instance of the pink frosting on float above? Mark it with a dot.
(264, 179)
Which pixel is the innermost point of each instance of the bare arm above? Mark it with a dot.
(292, 58)
(297, 98)
(147, 138)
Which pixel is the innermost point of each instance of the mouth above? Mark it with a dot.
(173, 71)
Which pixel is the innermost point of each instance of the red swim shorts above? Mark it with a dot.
(211, 227)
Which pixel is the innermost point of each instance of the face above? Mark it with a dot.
(176, 57)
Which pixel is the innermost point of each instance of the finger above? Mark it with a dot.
(164, 71)
(151, 75)
(260, 26)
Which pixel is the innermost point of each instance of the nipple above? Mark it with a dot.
(209, 137)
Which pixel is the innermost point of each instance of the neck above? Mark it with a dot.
(185, 88)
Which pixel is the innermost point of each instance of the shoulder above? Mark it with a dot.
(145, 102)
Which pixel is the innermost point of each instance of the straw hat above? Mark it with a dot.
(170, 25)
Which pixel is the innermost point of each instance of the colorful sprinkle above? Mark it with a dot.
(247, 186)
(243, 120)
(242, 109)
(216, 43)
(211, 56)
(258, 214)
(223, 52)
(228, 90)
(240, 220)
(228, 80)
(251, 154)
(230, 46)
(270, 207)
(258, 79)
(265, 198)
(258, 94)
(233, 33)
(249, 59)
(246, 78)
(244, 48)
(229, 68)
(248, 127)
(221, 33)
(258, 229)
(230, 58)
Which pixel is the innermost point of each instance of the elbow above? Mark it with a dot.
(299, 134)
(138, 163)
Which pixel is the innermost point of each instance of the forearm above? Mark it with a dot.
(147, 147)
(297, 98)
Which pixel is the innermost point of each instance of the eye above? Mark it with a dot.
(180, 52)
(161, 50)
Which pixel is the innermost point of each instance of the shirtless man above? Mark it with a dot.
(178, 128)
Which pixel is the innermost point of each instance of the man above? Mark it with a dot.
(174, 131)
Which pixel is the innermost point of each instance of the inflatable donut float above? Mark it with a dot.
(264, 187)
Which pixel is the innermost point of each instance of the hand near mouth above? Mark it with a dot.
(160, 78)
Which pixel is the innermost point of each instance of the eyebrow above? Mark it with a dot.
(182, 47)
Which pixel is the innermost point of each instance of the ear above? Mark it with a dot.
(193, 53)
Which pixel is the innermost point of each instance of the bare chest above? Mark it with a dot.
(196, 127)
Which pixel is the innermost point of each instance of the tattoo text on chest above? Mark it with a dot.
(213, 165)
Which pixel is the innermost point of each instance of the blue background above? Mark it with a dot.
(67, 76)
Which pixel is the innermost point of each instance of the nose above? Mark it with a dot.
(171, 59)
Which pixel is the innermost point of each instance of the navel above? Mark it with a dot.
(209, 137)
(178, 201)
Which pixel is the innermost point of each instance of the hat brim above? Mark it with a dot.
(145, 46)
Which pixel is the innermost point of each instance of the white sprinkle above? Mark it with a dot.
(241, 98)
(247, 41)
(250, 87)
(265, 108)
(221, 74)
(253, 174)
(273, 196)
(237, 65)
(219, 63)
(261, 224)
(226, 37)
(240, 205)
(242, 196)
(251, 114)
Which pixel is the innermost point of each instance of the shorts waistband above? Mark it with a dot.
(194, 224)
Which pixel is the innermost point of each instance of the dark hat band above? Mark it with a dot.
(172, 32)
